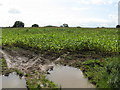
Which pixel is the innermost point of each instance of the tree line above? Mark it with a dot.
(21, 24)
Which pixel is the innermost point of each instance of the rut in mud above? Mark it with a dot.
(26, 61)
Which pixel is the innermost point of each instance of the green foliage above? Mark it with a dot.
(62, 39)
(19, 72)
(47, 83)
(118, 26)
(42, 82)
(105, 74)
(50, 26)
(5, 70)
(3, 66)
(111, 73)
(18, 24)
(78, 27)
(65, 25)
(35, 25)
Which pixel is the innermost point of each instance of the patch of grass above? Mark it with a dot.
(4, 70)
(41, 82)
(3, 67)
(103, 73)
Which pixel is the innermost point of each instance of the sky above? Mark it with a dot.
(84, 13)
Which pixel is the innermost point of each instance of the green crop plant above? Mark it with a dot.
(62, 39)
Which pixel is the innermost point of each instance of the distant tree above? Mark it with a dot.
(50, 26)
(65, 25)
(18, 24)
(118, 26)
(78, 27)
(35, 25)
(61, 25)
(102, 27)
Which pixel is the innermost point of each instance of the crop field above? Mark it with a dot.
(62, 39)
(103, 72)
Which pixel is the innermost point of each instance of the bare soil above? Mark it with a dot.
(29, 61)
(25, 60)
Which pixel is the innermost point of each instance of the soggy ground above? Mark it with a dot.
(13, 81)
(27, 64)
(69, 77)
(30, 62)
(25, 61)
(33, 51)
(35, 65)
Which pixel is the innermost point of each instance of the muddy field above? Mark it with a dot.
(26, 60)
(34, 64)
(30, 62)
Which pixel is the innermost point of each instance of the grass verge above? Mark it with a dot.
(104, 72)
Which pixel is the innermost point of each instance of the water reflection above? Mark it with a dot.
(68, 77)
(13, 81)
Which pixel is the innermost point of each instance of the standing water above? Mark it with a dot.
(13, 81)
(68, 77)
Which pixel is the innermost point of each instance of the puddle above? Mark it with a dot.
(68, 77)
(13, 81)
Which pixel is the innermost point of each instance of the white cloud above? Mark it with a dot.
(80, 9)
(56, 12)
(84, 2)
(1, 4)
(14, 11)
(114, 18)
(98, 20)
(97, 2)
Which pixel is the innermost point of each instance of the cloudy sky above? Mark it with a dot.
(85, 13)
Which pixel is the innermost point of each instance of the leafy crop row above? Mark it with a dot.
(62, 39)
